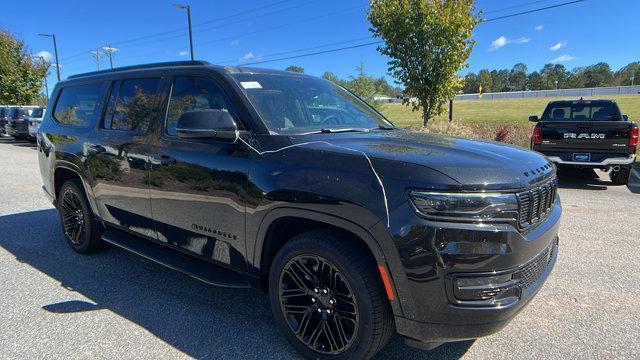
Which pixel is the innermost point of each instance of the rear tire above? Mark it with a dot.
(327, 297)
(620, 177)
(79, 225)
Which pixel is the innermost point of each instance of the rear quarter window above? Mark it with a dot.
(78, 105)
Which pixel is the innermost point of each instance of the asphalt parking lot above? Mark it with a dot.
(57, 304)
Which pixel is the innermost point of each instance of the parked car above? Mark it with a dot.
(4, 111)
(34, 122)
(587, 134)
(18, 121)
(289, 183)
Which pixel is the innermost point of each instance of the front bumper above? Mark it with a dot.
(433, 253)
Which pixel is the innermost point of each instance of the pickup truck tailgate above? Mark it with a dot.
(585, 135)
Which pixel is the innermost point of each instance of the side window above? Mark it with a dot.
(78, 105)
(195, 93)
(130, 104)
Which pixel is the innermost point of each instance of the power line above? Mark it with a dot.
(532, 11)
(315, 53)
(516, 6)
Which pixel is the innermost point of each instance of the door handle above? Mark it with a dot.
(166, 160)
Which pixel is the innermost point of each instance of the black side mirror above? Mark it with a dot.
(625, 117)
(534, 118)
(206, 123)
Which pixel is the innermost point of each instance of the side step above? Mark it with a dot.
(174, 259)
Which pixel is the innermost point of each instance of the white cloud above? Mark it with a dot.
(558, 46)
(45, 55)
(235, 42)
(249, 56)
(562, 58)
(502, 41)
(183, 53)
(539, 27)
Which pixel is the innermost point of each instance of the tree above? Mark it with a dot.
(470, 83)
(295, 69)
(518, 77)
(499, 80)
(597, 75)
(363, 85)
(21, 77)
(428, 42)
(624, 75)
(485, 80)
(535, 81)
(554, 72)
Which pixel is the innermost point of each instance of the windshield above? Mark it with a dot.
(582, 110)
(37, 113)
(295, 104)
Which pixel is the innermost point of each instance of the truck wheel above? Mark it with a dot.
(620, 177)
(78, 223)
(327, 298)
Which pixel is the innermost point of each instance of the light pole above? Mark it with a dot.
(188, 8)
(55, 50)
(110, 50)
(633, 77)
(556, 84)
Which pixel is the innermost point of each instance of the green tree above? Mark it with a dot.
(552, 73)
(363, 85)
(535, 81)
(518, 77)
(485, 80)
(295, 69)
(470, 83)
(428, 42)
(21, 77)
(624, 75)
(599, 74)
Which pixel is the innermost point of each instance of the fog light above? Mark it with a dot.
(491, 290)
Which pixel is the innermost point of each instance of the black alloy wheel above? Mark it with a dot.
(73, 218)
(79, 225)
(318, 304)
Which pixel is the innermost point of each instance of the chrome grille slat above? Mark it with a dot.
(536, 203)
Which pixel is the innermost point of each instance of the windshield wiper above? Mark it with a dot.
(384, 127)
(333, 131)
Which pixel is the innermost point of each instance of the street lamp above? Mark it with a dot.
(632, 79)
(556, 84)
(55, 50)
(188, 8)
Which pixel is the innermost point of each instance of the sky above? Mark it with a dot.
(242, 32)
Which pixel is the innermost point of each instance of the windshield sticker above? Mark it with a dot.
(251, 85)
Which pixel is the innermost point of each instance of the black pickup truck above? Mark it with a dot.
(587, 134)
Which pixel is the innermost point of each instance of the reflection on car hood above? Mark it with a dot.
(474, 164)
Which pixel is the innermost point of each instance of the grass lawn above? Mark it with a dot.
(484, 118)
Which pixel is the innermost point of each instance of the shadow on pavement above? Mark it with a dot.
(197, 319)
(588, 179)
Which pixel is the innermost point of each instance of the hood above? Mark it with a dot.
(476, 165)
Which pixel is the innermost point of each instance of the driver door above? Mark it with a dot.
(198, 186)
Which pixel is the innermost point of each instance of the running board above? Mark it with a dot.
(174, 259)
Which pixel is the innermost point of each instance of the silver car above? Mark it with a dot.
(34, 122)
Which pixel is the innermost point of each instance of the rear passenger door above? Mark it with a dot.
(198, 186)
(118, 155)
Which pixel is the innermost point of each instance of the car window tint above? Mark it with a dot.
(130, 104)
(78, 105)
(582, 111)
(195, 93)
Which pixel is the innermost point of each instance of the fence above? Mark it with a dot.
(569, 93)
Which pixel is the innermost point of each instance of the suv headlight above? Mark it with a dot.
(467, 207)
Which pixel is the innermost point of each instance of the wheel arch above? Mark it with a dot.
(65, 171)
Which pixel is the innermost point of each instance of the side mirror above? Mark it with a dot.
(206, 123)
(625, 117)
(534, 118)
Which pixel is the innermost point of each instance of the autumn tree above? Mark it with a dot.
(21, 77)
(428, 42)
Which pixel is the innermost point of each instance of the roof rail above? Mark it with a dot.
(142, 66)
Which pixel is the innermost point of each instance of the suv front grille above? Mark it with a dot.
(536, 203)
(531, 272)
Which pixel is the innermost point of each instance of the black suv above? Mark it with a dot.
(248, 177)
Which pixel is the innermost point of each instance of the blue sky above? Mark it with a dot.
(575, 35)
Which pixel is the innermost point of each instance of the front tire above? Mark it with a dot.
(327, 298)
(78, 222)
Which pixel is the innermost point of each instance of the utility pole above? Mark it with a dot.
(97, 55)
(188, 8)
(55, 50)
(110, 50)
(632, 79)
